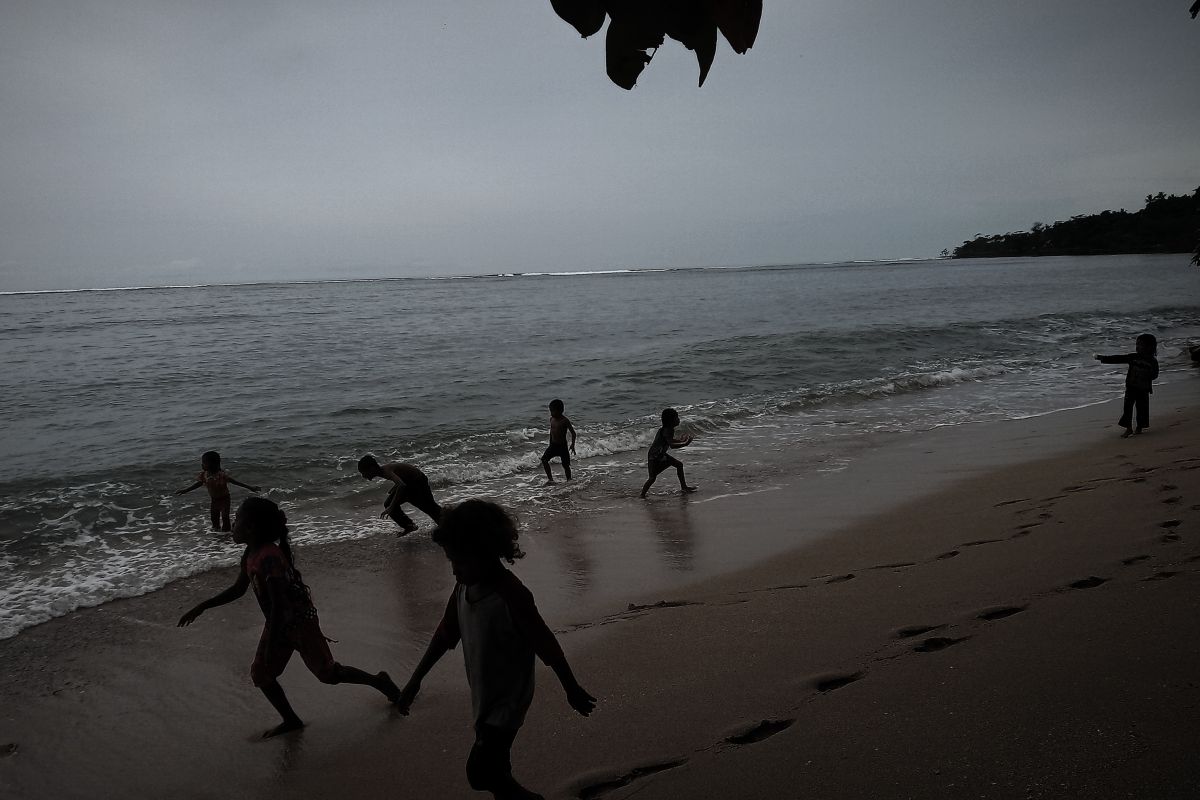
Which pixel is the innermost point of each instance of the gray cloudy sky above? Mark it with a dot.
(150, 141)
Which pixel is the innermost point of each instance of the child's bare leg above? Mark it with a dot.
(400, 518)
(683, 483)
(646, 486)
(567, 470)
(214, 514)
(546, 466)
(291, 722)
(226, 524)
(381, 681)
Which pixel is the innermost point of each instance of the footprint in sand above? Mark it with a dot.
(1010, 502)
(999, 612)
(841, 578)
(1171, 523)
(1133, 560)
(1168, 487)
(935, 643)
(947, 554)
(916, 630)
(828, 683)
(1172, 500)
(978, 542)
(1087, 583)
(762, 730)
(1167, 538)
(897, 565)
(603, 787)
(1161, 575)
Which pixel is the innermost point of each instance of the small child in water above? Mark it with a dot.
(1139, 382)
(217, 481)
(494, 616)
(658, 459)
(292, 624)
(560, 426)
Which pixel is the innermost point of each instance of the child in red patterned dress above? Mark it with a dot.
(292, 623)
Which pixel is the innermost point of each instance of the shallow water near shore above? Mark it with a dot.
(777, 371)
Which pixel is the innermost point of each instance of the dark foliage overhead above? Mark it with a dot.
(637, 28)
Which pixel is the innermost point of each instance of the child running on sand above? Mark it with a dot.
(494, 616)
(1139, 382)
(217, 481)
(409, 485)
(292, 623)
(658, 459)
(560, 426)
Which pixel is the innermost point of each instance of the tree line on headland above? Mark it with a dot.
(1168, 224)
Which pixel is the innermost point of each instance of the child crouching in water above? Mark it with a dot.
(292, 623)
(494, 616)
(1139, 382)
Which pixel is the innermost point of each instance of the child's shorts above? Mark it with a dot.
(304, 637)
(657, 465)
(558, 451)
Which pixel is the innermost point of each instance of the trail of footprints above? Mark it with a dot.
(919, 635)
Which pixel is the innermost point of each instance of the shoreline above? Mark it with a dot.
(117, 685)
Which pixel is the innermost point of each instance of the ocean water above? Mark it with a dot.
(111, 396)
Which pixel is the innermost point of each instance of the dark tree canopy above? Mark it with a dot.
(1168, 224)
(637, 28)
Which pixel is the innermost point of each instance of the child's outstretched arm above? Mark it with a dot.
(195, 485)
(228, 596)
(531, 625)
(682, 441)
(1121, 359)
(236, 482)
(444, 638)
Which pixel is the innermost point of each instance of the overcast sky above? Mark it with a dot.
(148, 141)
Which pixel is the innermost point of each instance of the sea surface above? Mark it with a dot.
(110, 396)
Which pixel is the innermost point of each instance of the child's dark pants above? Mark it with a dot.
(489, 766)
(1141, 399)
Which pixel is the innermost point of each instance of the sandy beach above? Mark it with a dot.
(1004, 610)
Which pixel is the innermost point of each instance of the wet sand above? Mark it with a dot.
(1002, 610)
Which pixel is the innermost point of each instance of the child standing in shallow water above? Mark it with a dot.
(560, 426)
(492, 613)
(217, 481)
(658, 459)
(1139, 382)
(292, 623)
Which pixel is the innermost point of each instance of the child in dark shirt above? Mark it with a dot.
(658, 459)
(1139, 382)
(492, 613)
(292, 623)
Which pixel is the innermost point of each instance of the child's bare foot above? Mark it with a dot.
(389, 687)
(689, 489)
(284, 727)
(406, 530)
(1128, 432)
(549, 481)
(511, 790)
(1138, 431)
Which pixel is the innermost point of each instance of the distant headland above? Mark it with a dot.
(1167, 224)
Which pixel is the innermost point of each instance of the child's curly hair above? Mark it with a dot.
(479, 528)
